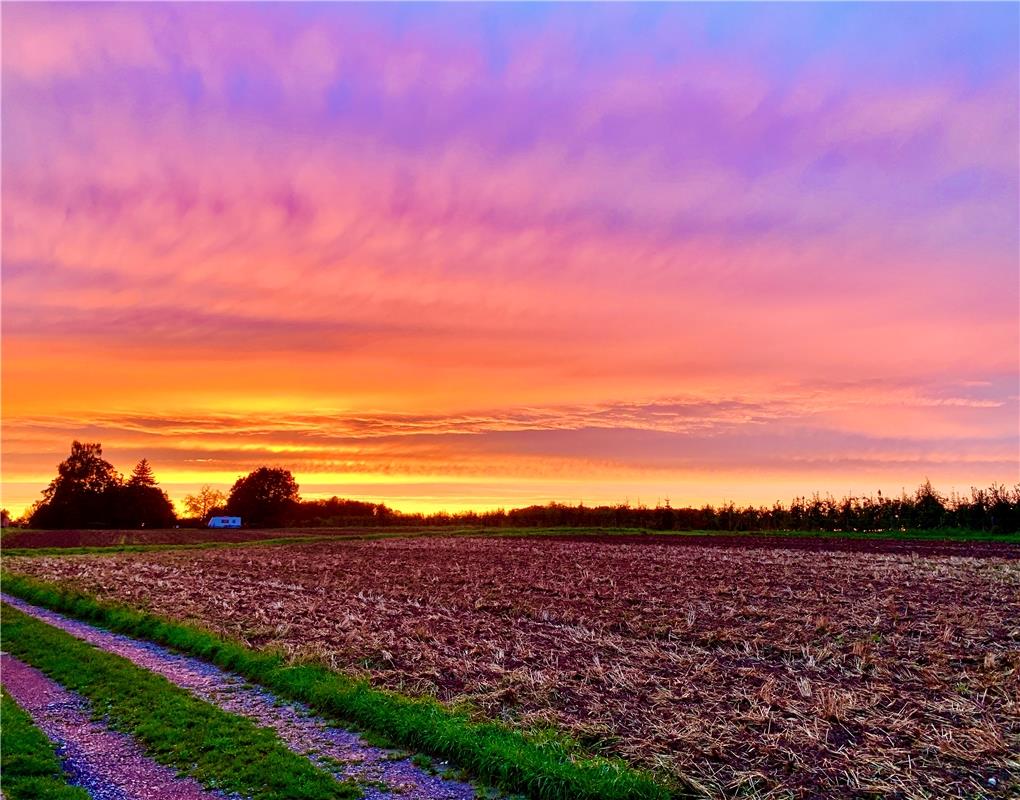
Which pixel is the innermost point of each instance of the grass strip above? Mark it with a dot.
(543, 767)
(29, 766)
(220, 750)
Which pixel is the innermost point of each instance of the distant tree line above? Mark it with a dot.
(992, 510)
(89, 493)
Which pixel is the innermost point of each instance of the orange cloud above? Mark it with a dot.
(479, 248)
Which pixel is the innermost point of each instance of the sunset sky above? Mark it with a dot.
(449, 256)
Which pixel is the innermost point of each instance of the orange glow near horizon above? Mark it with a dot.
(452, 257)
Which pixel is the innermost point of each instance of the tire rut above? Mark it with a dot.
(383, 773)
(108, 764)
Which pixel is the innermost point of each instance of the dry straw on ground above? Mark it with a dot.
(761, 672)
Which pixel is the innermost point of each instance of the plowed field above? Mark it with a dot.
(161, 536)
(748, 671)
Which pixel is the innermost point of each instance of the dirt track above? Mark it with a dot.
(339, 751)
(110, 765)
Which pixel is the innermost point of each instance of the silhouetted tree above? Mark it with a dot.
(205, 502)
(142, 474)
(141, 503)
(264, 497)
(929, 510)
(996, 509)
(81, 496)
(1003, 509)
(665, 517)
(336, 511)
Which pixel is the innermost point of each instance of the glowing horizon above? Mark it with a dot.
(462, 256)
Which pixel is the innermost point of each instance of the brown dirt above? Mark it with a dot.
(36, 539)
(753, 671)
(833, 543)
(114, 538)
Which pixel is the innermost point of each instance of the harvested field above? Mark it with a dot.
(752, 671)
(162, 536)
(831, 542)
(42, 539)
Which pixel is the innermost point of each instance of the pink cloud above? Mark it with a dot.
(426, 214)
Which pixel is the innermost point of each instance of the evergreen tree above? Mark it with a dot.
(142, 474)
(142, 504)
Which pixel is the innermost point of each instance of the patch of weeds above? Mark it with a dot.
(368, 783)
(376, 740)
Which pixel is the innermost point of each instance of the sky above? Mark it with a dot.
(453, 256)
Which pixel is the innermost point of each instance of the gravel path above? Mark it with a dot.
(341, 752)
(109, 765)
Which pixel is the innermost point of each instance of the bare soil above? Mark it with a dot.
(38, 539)
(752, 671)
(115, 538)
(813, 543)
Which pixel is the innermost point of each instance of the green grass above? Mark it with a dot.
(543, 767)
(220, 750)
(29, 767)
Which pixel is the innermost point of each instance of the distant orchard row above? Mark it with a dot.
(89, 493)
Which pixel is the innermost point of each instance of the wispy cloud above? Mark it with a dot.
(801, 435)
(782, 235)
